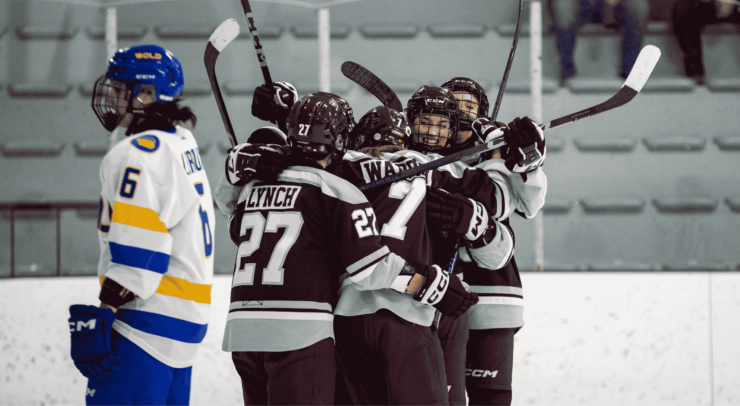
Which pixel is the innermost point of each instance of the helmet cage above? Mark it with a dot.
(381, 126)
(470, 110)
(429, 130)
(109, 97)
(433, 101)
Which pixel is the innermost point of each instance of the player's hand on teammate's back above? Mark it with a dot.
(445, 292)
(263, 161)
(90, 328)
(484, 128)
(273, 103)
(525, 146)
(456, 213)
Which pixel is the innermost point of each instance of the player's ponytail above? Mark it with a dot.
(174, 113)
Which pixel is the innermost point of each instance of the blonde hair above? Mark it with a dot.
(378, 150)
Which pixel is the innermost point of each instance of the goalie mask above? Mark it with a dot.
(381, 126)
(318, 125)
(129, 69)
(433, 115)
(471, 98)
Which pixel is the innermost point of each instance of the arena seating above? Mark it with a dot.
(650, 186)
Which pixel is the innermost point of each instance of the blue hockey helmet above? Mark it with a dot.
(128, 70)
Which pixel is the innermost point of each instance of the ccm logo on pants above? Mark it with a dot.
(480, 373)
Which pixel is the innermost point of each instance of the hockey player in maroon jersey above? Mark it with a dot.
(488, 354)
(279, 326)
(378, 325)
(374, 368)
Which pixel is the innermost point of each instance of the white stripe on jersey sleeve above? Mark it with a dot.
(364, 262)
(330, 185)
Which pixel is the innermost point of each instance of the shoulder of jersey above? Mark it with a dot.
(150, 143)
(330, 185)
(355, 156)
(416, 155)
(493, 164)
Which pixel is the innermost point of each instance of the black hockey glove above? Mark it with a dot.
(485, 128)
(263, 161)
(456, 213)
(91, 351)
(273, 103)
(445, 292)
(525, 146)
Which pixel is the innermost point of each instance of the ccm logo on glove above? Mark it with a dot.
(90, 324)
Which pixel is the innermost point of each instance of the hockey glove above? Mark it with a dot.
(445, 292)
(525, 146)
(91, 351)
(456, 213)
(485, 128)
(273, 104)
(247, 161)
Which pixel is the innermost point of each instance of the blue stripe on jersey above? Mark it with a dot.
(163, 326)
(139, 258)
(199, 188)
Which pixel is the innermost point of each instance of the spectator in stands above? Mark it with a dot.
(689, 17)
(570, 15)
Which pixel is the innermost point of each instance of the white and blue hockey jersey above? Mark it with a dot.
(156, 227)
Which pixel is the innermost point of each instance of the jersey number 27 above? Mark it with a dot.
(292, 221)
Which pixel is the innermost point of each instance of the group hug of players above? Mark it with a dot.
(406, 293)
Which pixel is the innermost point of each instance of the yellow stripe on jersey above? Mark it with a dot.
(176, 287)
(137, 216)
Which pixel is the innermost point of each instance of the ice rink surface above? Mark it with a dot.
(590, 339)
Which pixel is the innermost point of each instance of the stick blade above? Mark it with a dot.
(363, 77)
(643, 67)
(224, 34)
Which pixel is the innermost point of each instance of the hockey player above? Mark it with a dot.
(499, 315)
(375, 329)
(155, 227)
(279, 327)
(383, 131)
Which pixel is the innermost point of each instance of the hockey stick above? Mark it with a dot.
(640, 73)
(363, 77)
(505, 79)
(260, 54)
(224, 34)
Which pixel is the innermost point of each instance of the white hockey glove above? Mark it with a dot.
(456, 213)
(445, 292)
(247, 161)
(274, 103)
(525, 146)
(485, 129)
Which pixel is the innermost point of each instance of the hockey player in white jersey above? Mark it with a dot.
(155, 226)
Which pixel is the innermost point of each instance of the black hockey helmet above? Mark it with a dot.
(268, 135)
(471, 108)
(433, 115)
(318, 125)
(381, 126)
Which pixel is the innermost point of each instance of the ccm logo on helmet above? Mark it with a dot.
(148, 55)
(480, 373)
